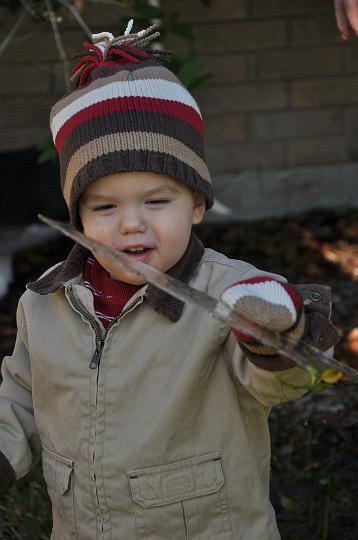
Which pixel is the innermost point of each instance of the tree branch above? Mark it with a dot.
(13, 31)
(59, 45)
(77, 16)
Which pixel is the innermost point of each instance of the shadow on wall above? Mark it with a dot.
(27, 188)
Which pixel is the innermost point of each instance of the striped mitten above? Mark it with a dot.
(269, 303)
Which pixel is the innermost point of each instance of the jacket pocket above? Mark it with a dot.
(58, 474)
(182, 500)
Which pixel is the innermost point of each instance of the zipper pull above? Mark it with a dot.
(97, 354)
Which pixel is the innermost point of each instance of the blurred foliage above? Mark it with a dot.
(26, 513)
(47, 150)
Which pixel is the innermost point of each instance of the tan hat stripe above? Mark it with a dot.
(148, 72)
(134, 140)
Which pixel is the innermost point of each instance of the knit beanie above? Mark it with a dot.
(127, 112)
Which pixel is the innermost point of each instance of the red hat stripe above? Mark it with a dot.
(180, 110)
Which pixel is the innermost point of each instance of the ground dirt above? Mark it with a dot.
(314, 485)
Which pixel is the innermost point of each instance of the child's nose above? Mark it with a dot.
(131, 221)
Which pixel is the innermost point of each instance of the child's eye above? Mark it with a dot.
(158, 201)
(103, 207)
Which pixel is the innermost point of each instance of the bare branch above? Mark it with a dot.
(59, 45)
(111, 2)
(28, 7)
(13, 31)
(77, 16)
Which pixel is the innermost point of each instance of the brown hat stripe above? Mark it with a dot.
(137, 140)
(138, 160)
(134, 104)
(124, 121)
(142, 72)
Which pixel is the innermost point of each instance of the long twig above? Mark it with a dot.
(28, 7)
(77, 16)
(13, 31)
(110, 2)
(60, 48)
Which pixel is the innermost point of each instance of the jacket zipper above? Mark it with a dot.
(100, 340)
(96, 358)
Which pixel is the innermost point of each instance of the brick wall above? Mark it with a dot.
(284, 90)
(283, 95)
(32, 78)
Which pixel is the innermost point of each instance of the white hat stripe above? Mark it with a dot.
(151, 88)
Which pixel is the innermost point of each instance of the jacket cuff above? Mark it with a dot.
(7, 475)
(266, 361)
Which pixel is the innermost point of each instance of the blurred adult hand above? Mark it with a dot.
(347, 17)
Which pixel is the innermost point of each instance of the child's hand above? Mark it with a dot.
(268, 302)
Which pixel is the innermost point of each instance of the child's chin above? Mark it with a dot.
(131, 280)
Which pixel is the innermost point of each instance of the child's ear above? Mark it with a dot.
(199, 208)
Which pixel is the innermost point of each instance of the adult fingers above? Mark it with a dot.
(341, 18)
(351, 8)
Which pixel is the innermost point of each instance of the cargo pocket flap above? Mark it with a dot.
(157, 486)
(56, 470)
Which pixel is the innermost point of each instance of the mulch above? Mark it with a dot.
(314, 440)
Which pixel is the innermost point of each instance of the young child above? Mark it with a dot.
(149, 415)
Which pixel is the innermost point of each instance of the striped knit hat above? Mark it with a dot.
(127, 112)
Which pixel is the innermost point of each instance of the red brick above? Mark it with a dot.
(317, 150)
(229, 68)
(234, 158)
(41, 47)
(294, 63)
(312, 30)
(243, 97)
(225, 128)
(100, 17)
(25, 111)
(217, 11)
(330, 91)
(14, 139)
(25, 79)
(263, 8)
(351, 57)
(57, 71)
(236, 36)
(351, 116)
(292, 124)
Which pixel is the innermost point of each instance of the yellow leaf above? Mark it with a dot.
(331, 376)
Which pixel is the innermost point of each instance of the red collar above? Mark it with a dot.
(110, 295)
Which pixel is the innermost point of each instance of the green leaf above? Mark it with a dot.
(11, 5)
(147, 11)
(199, 82)
(47, 151)
(188, 71)
(178, 27)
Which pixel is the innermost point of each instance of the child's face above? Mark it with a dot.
(140, 210)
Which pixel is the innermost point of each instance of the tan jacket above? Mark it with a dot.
(165, 437)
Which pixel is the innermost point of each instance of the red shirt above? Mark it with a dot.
(110, 295)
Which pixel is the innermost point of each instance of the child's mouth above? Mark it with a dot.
(143, 254)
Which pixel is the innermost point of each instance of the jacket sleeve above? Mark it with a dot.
(19, 441)
(274, 379)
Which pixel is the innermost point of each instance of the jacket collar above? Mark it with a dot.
(160, 301)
